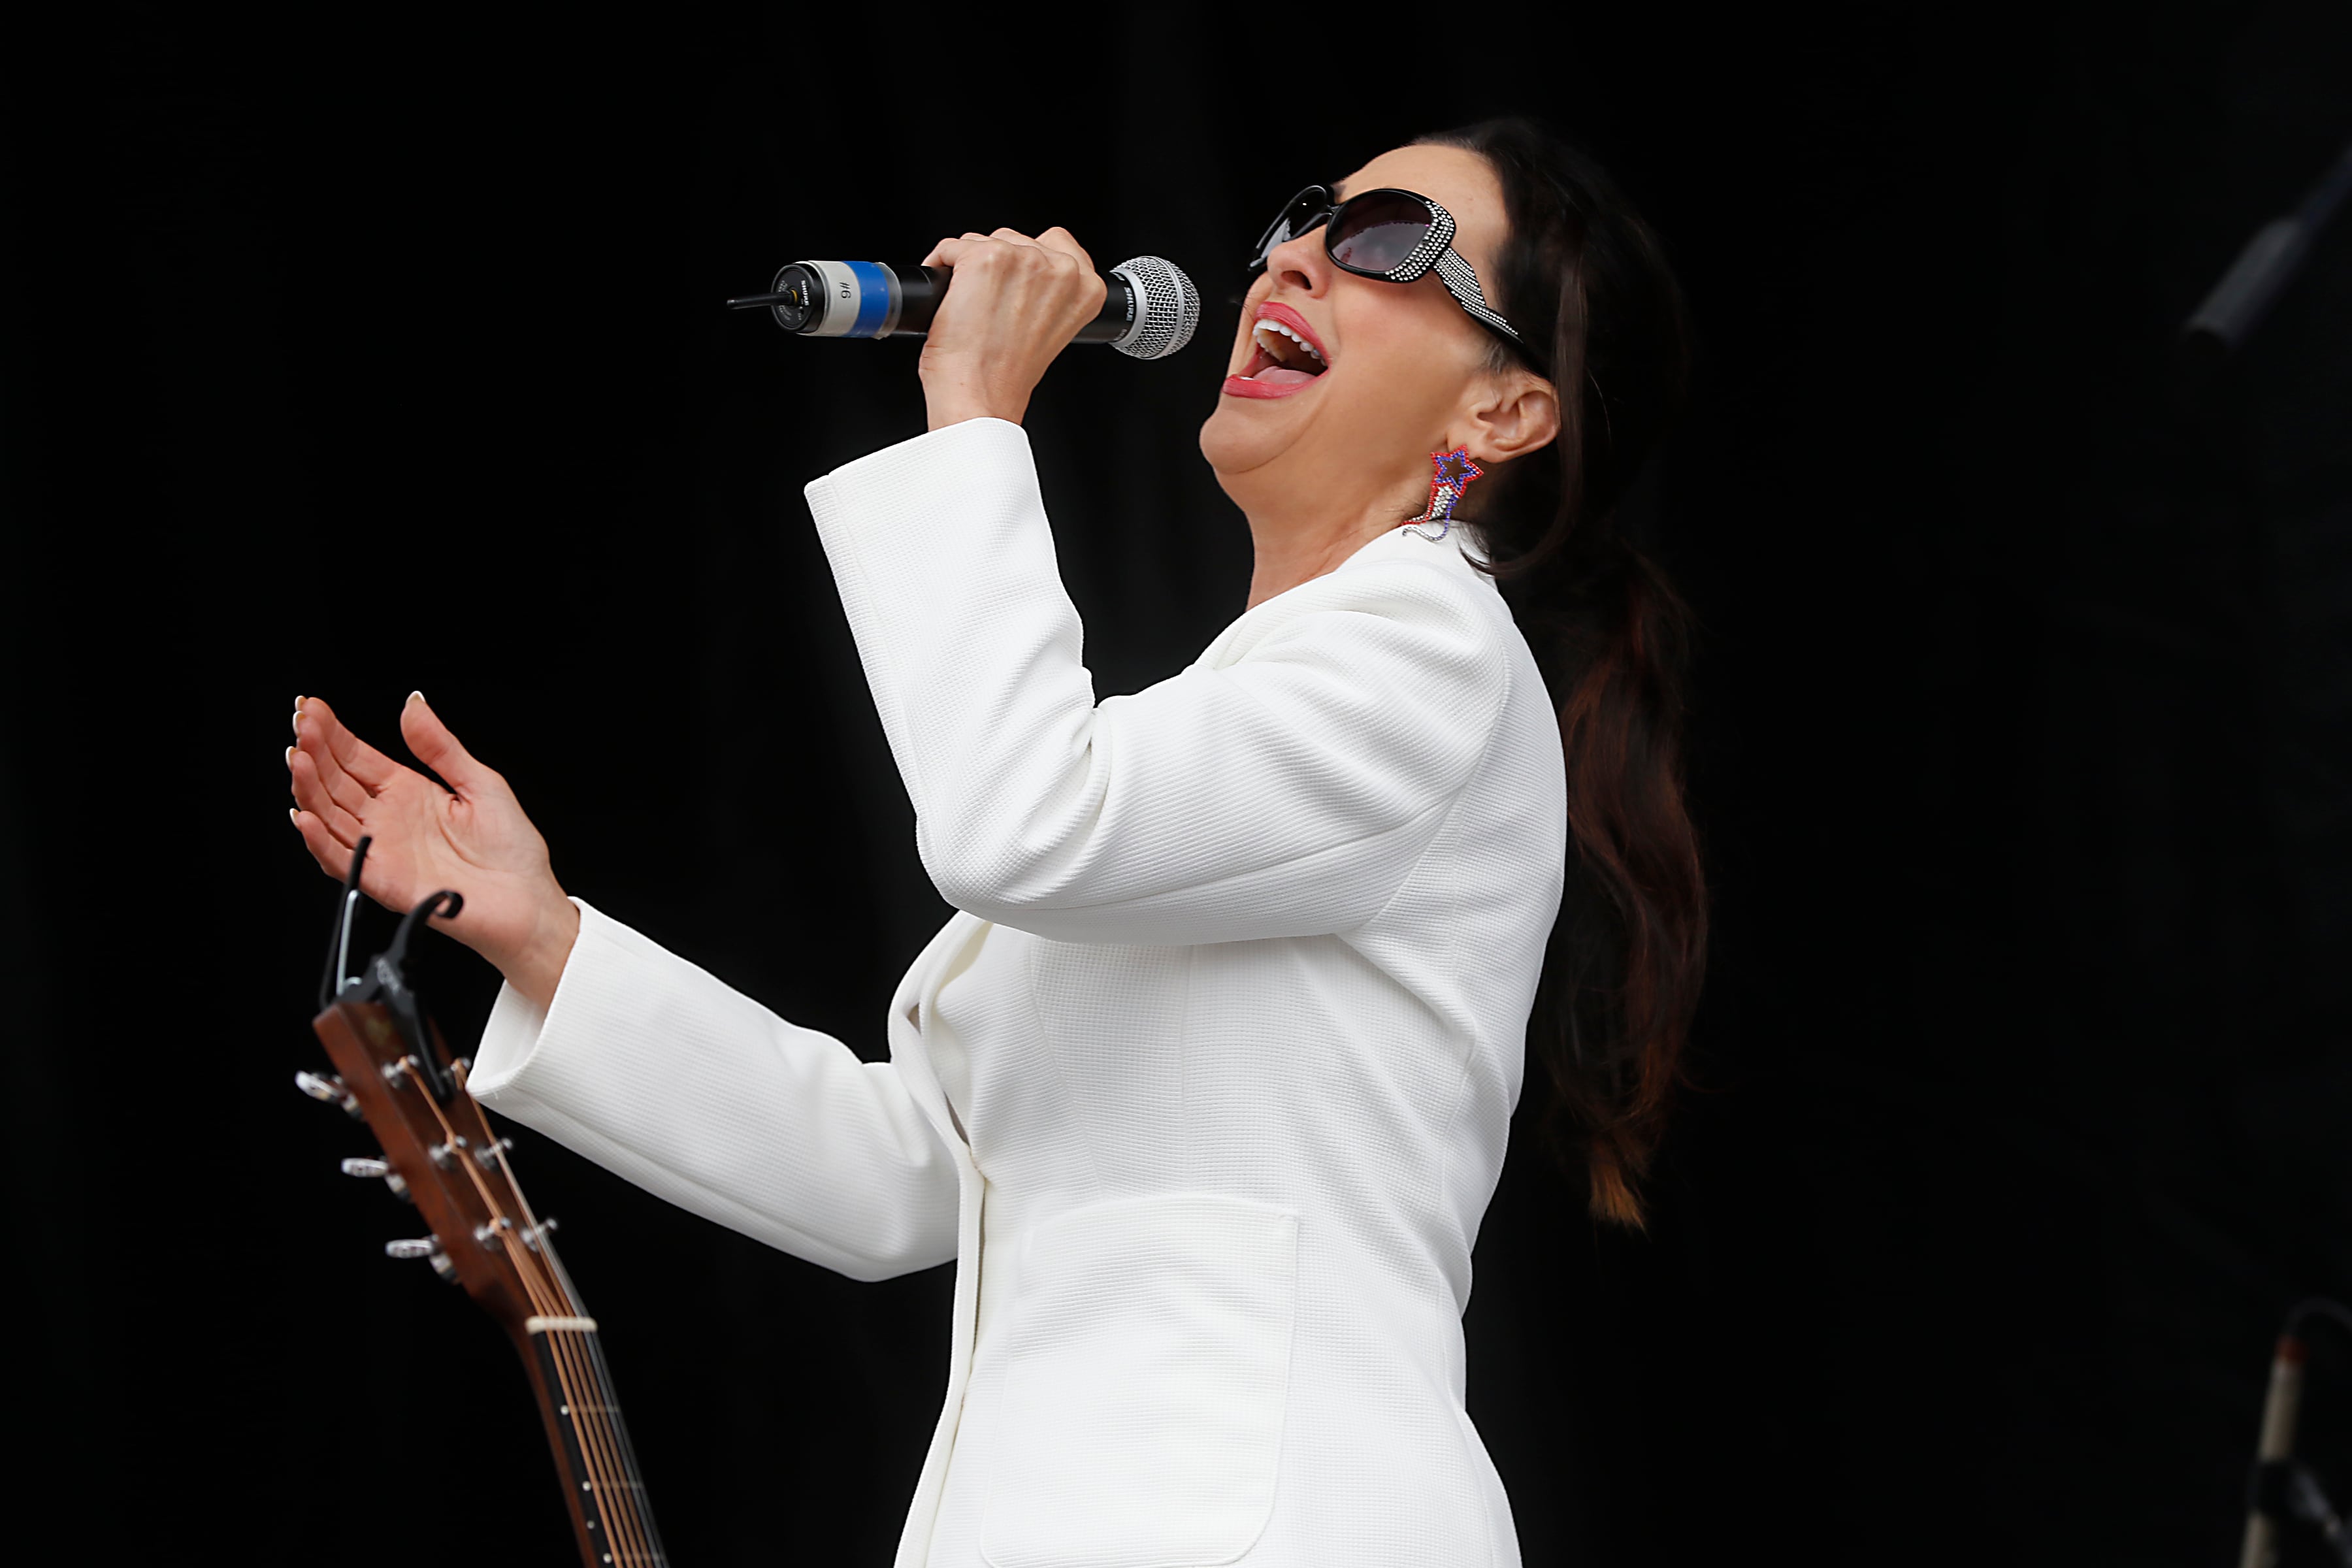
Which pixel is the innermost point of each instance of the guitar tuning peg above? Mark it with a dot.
(488, 1153)
(427, 1247)
(329, 1089)
(380, 1169)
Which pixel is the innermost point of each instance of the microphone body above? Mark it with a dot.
(1150, 308)
(2258, 1549)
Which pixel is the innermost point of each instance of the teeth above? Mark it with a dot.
(1268, 324)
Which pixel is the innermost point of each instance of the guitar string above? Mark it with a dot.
(620, 1424)
(542, 1298)
(610, 1404)
(617, 1499)
(602, 1369)
(543, 1294)
(628, 1449)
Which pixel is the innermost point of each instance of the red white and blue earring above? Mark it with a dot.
(1455, 472)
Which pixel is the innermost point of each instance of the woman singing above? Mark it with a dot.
(1206, 1085)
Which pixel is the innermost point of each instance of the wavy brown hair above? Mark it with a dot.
(1584, 277)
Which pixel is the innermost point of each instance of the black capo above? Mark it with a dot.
(385, 977)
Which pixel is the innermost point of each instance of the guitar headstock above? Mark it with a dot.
(442, 1156)
(394, 1071)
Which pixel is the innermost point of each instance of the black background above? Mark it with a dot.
(356, 350)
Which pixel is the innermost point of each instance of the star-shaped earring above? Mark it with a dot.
(1455, 472)
(1455, 468)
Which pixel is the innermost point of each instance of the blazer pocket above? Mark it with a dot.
(1145, 1385)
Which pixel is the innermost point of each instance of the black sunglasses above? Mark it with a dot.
(1397, 236)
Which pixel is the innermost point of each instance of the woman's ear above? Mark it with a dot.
(1509, 418)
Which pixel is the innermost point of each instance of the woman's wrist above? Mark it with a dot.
(537, 967)
(940, 418)
(952, 401)
(955, 411)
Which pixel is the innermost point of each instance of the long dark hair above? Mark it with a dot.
(1583, 275)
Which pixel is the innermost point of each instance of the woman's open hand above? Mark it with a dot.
(472, 837)
(1014, 303)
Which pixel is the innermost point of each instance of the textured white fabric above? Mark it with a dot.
(1205, 1088)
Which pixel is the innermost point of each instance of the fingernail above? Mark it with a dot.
(417, 697)
(297, 724)
(298, 703)
(293, 817)
(290, 756)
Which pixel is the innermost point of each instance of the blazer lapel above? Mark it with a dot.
(917, 991)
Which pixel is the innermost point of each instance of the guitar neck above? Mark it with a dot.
(611, 1518)
(591, 1442)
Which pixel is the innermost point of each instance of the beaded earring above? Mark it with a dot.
(1455, 472)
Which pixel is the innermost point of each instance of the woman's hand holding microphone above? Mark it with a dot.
(472, 837)
(1013, 304)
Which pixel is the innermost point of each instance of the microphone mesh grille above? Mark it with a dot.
(1167, 309)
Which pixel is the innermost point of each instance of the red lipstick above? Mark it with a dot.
(1276, 310)
(1265, 376)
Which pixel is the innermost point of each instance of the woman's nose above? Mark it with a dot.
(1300, 265)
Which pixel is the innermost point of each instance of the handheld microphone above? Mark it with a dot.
(1149, 311)
(2272, 1452)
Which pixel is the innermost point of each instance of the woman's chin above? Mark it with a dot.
(1242, 433)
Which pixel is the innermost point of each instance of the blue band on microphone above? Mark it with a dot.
(873, 298)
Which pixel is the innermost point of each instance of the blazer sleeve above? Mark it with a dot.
(665, 1075)
(1287, 792)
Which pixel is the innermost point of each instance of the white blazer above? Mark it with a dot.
(1206, 1086)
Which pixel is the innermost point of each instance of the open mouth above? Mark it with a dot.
(1283, 355)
